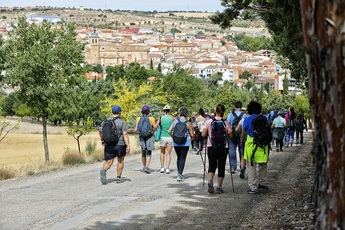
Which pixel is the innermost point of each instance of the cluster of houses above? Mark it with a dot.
(203, 55)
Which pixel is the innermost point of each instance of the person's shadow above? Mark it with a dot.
(124, 179)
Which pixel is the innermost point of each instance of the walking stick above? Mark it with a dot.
(232, 180)
(204, 163)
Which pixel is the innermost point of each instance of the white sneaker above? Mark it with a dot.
(167, 171)
(162, 170)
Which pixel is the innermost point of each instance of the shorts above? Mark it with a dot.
(145, 153)
(166, 141)
(112, 151)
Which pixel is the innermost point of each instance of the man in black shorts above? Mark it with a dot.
(118, 150)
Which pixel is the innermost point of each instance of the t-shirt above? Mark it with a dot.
(231, 116)
(200, 122)
(279, 122)
(248, 124)
(208, 129)
(166, 121)
(121, 128)
(188, 142)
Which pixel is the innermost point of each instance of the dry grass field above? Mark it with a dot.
(22, 151)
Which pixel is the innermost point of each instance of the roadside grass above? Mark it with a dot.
(6, 173)
(71, 157)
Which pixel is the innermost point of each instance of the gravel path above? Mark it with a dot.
(75, 199)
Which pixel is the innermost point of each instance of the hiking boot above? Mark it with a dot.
(162, 170)
(263, 188)
(179, 178)
(210, 187)
(167, 171)
(103, 176)
(147, 170)
(242, 173)
(220, 190)
(118, 180)
(252, 191)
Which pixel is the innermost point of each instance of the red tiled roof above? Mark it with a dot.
(130, 31)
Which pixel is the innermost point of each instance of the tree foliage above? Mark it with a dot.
(252, 44)
(283, 20)
(131, 98)
(45, 65)
(78, 129)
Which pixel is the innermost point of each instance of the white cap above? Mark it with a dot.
(167, 107)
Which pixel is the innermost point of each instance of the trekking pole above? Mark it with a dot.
(232, 180)
(204, 162)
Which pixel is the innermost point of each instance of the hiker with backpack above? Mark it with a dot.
(301, 124)
(278, 127)
(182, 134)
(233, 119)
(166, 141)
(238, 129)
(200, 123)
(114, 137)
(259, 136)
(290, 119)
(217, 131)
(145, 128)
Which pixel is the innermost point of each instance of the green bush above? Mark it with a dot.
(90, 147)
(6, 174)
(72, 158)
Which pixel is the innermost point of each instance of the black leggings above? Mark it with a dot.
(181, 152)
(217, 158)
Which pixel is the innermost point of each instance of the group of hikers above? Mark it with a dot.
(245, 131)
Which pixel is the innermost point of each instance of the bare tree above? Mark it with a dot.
(324, 37)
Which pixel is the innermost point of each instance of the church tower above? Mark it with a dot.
(94, 48)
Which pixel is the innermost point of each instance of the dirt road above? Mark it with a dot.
(75, 199)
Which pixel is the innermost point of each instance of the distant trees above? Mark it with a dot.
(252, 44)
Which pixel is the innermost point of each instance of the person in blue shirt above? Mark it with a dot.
(233, 119)
(257, 163)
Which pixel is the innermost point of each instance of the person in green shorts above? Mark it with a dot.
(166, 141)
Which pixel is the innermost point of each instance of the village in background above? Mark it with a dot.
(161, 40)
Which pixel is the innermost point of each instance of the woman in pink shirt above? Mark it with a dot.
(217, 131)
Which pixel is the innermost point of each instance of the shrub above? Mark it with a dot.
(72, 158)
(6, 173)
(90, 147)
(95, 156)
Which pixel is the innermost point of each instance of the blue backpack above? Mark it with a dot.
(144, 128)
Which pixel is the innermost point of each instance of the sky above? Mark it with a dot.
(146, 5)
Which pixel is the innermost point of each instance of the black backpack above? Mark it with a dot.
(218, 133)
(144, 128)
(109, 132)
(262, 133)
(180, 133)
(235, 122)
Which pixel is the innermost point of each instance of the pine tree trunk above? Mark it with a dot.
(324, 35)
(45, 139)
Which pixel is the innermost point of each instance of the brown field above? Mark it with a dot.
(23, 152)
